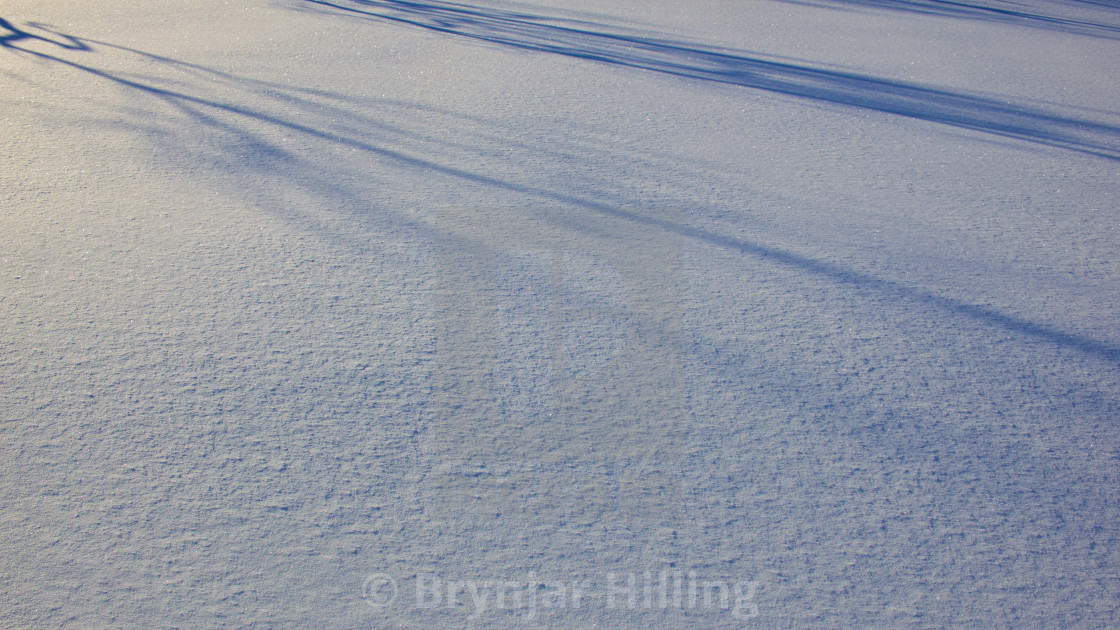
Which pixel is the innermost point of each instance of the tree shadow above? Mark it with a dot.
(996, 11)
(544, 34)
(15, 34)
(288, 110)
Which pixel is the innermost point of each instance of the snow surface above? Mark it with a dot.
(812, 305)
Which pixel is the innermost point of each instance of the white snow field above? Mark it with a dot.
(559, 314)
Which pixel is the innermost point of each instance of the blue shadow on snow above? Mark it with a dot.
(583, 40)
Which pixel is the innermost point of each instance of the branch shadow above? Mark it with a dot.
(544, 34)
(244, 124)
(15, 34)
(994, 11)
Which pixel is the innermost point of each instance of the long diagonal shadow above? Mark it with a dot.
(1012, 13)
(890, 288)
(197, 107)
(695, 61)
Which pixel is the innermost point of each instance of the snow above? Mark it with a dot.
(375, 313)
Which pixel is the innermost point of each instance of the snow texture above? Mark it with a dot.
(559, 314)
